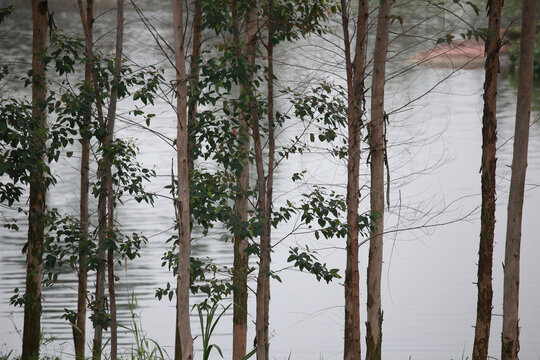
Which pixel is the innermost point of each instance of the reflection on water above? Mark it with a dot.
(429, 297)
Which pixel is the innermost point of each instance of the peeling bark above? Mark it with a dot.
(489, 162)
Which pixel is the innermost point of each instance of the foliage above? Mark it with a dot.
(308, 262)
(208, 325)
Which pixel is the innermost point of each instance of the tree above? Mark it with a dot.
(241, 260)
(38, 189)
(79, 331)
(355, 71)
(510, 332)
(182, 203)
(111, 117)
(377, 149)
(489, 163)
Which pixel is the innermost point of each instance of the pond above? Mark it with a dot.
(430, 252)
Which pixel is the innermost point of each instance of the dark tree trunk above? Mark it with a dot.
(36, 215)
(489, 162)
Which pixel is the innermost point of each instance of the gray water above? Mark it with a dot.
(429, 298)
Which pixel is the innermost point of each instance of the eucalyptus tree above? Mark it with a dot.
(241, 260)
(510, 330)
(38, 187)
(377, 150)
(185, 350)
(111, 118)
(93, 92)
(79, 334)
(489, 163)
(355, 73)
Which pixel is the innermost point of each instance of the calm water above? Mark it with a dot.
(429, 298)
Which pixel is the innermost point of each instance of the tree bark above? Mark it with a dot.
(111, 118)
(377, 154)
(79, 331)
(241, 261)
(270, 178)
(38, 189)
(264, 257)
(510, 332)
(489, 162)
(183, 207)
(192, 110)
(87, 20)
(99, 310)
(355, 98)
(194, 72)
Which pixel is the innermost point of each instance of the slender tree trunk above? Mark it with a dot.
(264, 258)
(489, 162)
(87, 20)
(111, 117)
(183, 210)
(264, 261)
(377, 154)
(194, 74)
(510, 332)
(192, 113)
(99, 311)
(270, 179)
(36, 216)
(241, 261)
(79, 332)
(355, 89)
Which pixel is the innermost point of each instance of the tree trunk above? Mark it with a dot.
(247, 91)
(489, 161)
(99, 311)
(36, 216)
(510, 332)
(79, 332)
(192, 113)
(377, 154)
(194, 73)
(355, 90)
(194, 70)
(111, 117)
(183, 210)
(87, 20)
(241, 261)
(270, 178)
(264, 261)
